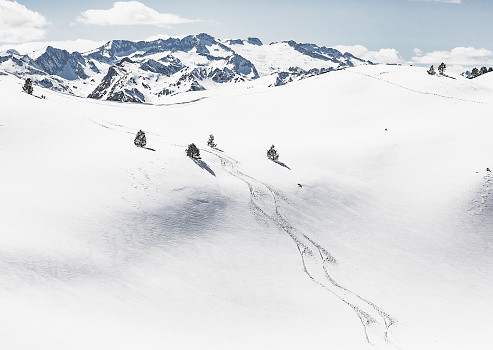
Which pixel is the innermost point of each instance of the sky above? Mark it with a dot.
(419, 32)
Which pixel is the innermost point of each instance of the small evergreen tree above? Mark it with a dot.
(140, 139)
(475, 72)
(431, 71)
(272, 153)
(192, 151)
(441, 68)
(28, 86)
(210, 142)
(483, 70)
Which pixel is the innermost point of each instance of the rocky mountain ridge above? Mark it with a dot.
(145, 71)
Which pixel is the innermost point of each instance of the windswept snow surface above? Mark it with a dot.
(388, 243)
(485, 79)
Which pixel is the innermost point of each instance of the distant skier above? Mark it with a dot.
(488, 169)
(299, 185)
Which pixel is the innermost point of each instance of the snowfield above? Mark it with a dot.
(386, 244)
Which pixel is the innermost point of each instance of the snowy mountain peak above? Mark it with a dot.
(252, 41)
(12, 52)
(161, 67)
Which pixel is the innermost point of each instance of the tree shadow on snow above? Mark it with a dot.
(147, 148)
(447, 76)
(281, 164)
(204, 166)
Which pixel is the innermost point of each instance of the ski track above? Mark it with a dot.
(419, 92)
(265, 203)
(316, 260)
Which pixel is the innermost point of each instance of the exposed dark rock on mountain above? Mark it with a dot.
(127, 71)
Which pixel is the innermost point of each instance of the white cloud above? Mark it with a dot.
(460, 57)
(19, 24)
(131, 13)
(381, 56)
(80, 45)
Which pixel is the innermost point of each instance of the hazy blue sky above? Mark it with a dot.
(416, 31)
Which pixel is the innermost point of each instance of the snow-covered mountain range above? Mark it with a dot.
(145, 71)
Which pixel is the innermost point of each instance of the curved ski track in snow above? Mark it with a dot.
(265, 204)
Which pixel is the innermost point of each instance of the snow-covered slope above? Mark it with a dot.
(485, 79)
(149, 71)
(387, 241)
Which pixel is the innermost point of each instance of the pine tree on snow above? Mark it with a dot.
(28, 86)
(441, 68)
(272, 154)
(210, 142)
(192, 151)
(140, 139)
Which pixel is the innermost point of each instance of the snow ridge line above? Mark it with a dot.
(315, 259)
(421, 92)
